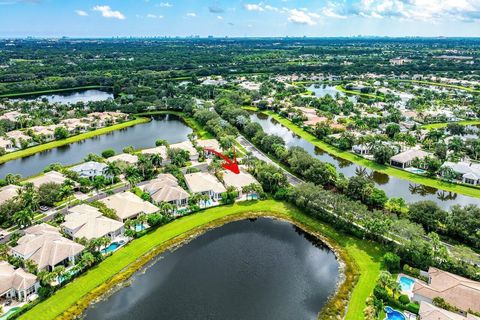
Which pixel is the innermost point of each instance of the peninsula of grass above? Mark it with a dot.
(362, 259)
(357, 93)
(33, 93)
(440, 125)
(191, 122)
(58, 143)
(466, 190)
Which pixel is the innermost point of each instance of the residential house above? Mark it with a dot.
(17, 283)
(361, 149)
(160, 150)
(17, 136)
(404, 159)
(47, 131)
(90, 169)
(12, 116)
(48, 177)
(430, 312)
(44, 245)
(8, 192)
(6, 144)
(238, 181)
(128, 206)
(458, 291)
(466, 172)
(84, 221)
(205, 183)
(127, 158)
(165, 188)
(187, 146)
(211, 144)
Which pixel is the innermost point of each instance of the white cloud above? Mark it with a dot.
(153, 16)
(107, 12)
(219, 17)
(332, 10)
(165, 5)
(299, 16)
(81, 13)
(191, 14)
(253, 7)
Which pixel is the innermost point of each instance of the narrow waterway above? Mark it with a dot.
(253, 269)
(167, 127)
(393, 187)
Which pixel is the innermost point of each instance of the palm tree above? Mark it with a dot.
(112, 170)
(23, 218)
(156, 159)
(46, 277)
(12, 178)
(166, 208)
(87, 260)
(28, 197)
(132, 175)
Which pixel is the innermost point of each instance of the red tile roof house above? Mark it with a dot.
(458, 291)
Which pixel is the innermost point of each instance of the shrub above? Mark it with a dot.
(413, 307)
(391, 261)
(404, 299)
(108, 153)
(414, 272)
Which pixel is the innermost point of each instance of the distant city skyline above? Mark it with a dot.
(239, 18)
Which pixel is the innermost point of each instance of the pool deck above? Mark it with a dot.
(410, 292)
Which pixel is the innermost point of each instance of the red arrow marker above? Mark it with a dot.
(229, 165)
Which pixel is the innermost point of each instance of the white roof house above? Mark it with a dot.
(161, 150)
(238, 181)
(187, 146)
(209, 144)
(404, 159)
(84, 221)
(127, 205)
(8, 192)
(467, 172)
(16, 283)
(90, 169)
(430, 312)
(204, 182)
(165, 188)
(124, 157)
(46, 247)
(49, 177)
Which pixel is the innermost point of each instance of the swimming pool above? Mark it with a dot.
(406, 283)
(393, 314)
(9, 313)
(139, 227)
(112, 247)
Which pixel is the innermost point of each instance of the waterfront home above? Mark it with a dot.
(101, 119)
(84, 221)
(48, 177)
(466, 172)
(8, 192)
(238, 181)
(404, 159)
(46, 131)
(44, 245)
(361, 149)
(90, 169)
(6, 144)
(17, 283)
(458, 291)
(160, 150)
(187, 146)
(165, 188)
(205, 183)
(430, 312)
(128, 206)
(209, 144)
(76, 125)
(17, 136)
(126, 158)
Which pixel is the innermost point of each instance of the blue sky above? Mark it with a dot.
(105, 18)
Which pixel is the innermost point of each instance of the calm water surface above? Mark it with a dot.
(74, 97)
(392, 186)
(167, 127)
(249, 270)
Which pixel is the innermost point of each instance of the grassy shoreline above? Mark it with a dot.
(58, 143)
(363, 259)
(32, 93)
(440, 125)
(398, 173)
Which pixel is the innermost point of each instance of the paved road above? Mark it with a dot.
(293, 180)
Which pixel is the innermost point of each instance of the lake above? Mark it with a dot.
(321, 90)
(393, 187)
(252, 269)
(71, 97)
(167, 127)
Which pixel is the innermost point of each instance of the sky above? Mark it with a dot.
(239, 18)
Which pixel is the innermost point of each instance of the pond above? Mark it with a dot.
(72, 97)
(393, 187)
(252, 269)
(167, 127)
(321, 90)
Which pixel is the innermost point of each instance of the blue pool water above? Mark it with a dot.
(406, 283)
(393, 314)
(9, 313)
(139, 227)
(112, 247)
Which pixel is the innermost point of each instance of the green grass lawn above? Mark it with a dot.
(58, 143)
(20, 94)
(470, 191)
(432, 126)
(438, 84)
(357, 93)
(365, 254)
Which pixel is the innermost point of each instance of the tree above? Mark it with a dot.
(23, 218)
(87, 260)
(108, 153)
(49, 193)
(166, 208)
(230, 195)
(61, 133)
(383, 153)
(161, 142)
(397, 206)
(132, 175)
(428, 214)
(392, 129)
(391, 262)
(112, 170)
